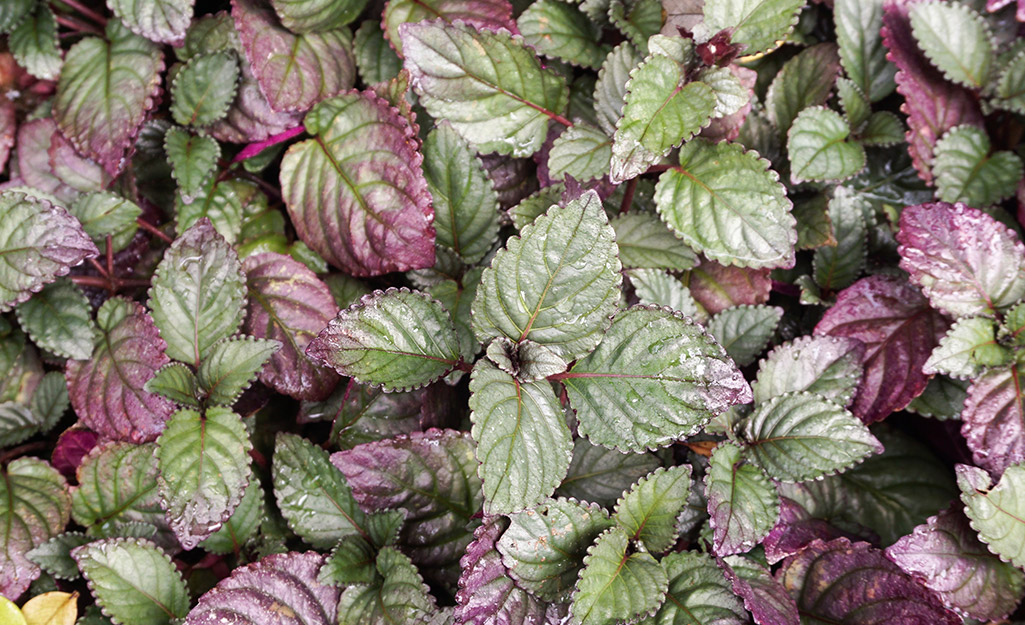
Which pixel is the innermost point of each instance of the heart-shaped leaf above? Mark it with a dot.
(824, 365)
(616, 587)
(204, 88)
(59, 319)
(648, 511)
(162, 21)
(742, 501)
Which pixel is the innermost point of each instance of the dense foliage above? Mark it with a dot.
(500, 312)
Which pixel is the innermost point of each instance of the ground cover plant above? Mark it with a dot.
(503, 312)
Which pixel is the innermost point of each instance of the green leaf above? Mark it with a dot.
(527, 361)
(488, 85)
(730, 94)
(1010, 89)
(527, 210)
(177, 382)
(581, 151)
(837, 267)
(943, 399)
(819, 148)
(662, 110)
(34, 44)
(59, 319)
(556, 284)
(543, 548)
(698, 593)
(375, 59)
(12, 13)
(655, 378)
(997, 512)
(884, 129)
(117, 485)
(107, 213)
(399, 597)
(302, 16)
(645, 242)
(114, 569)
(353, 559)
(203, 90)
(231, 206)
(17, 423)
(956, 39)
(968, 348)
(193, 159)
(825, 365)
(742, 501)
(204, 471)
(312, 494)
(648, 511)
(54, 556)
(39, 243)
(616, 587)
(458, 300)
(465, 202)
(659, 288)
(967, 172)
(801, 436)
(861, 46)
(50, 400)
(232, 365)
(757, 23)
(610, 88)
(198, 294)
(163, 21)
(726, 203)
(745, 331)
(856, 107)
(523, 443)
(601, 475)
(805, 80)
(243, 523)
(637, 19)
(560, 30)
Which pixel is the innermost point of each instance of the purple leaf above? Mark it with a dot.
(107, 391)
(487, 595)
(294, 71)
(854, 584)
(73, 169)
(281, 588)
(993, 419)
(250, 117)
(356, 192)
(288, 303)
(899, 331)
(932, 104)
(718, 287)
(946, 556)
(764, 597)
(966, 262)
(73, 444)
(794, 531)
(34, 140)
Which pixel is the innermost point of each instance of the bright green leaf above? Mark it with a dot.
(193, 159)
(956, 39)
(232, 365)
(616, 587)
(177, 382)
(648, 511)
(581, 151)
(967, 171)
(967, 349)
(59, 319)
(819, 147)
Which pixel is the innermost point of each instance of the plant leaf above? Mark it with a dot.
(112, 568)
(956, 39)
(838, 267)
(560, 30)
(659, 288)
(251, 117)
(177, 382)
(746, 224)
(366, 211)
(59, 319)
(745, 331)
(966, 170)
(375, 59)
(698, 593)
(883, 128)
(994, 419)
(819, 148)
(17, 423)
(759, 24)
(647, 512)
(105, 91)
(232, 365)
(645, 242)
(34, 44)
(966, 262)
(481, 15)
(743, 504)
(995, 511)
(718, 287)
(805, 80)
(34, 507)
(601, 475)
(204, 88)
(107, 213)
(580, 281)
(289, 304)
(899, 331)
(610, 88)
(581, 151)
(162, 21)
(399, 597)
(861, 46)
(499, 101)
(193, 159)
(242, 525)
(117, 485)
(301, 16)
(54, 555)
(827, 366)
(968, 348)
(763, 596)
(656, 377)
(616, 587)
(855, 104)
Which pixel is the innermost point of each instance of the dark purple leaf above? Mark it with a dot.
(718, 287)
(107, 392)
(764, 597)
(279, 589)
(73, 444)
(854, 584)
(899, 331)
(794, 531)
(288, 303)
(946, 556)
(993, 419)
(932, 104)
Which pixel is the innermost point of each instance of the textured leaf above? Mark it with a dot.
(698, 593)
(718, 287)
(610, 88)
(231, 366)
(117, 485)
(365, 211)
(352, 561)
(899, 331)
(482, 15)
(193, 159)
(51, 608)
(746, 224)
(801, 436)
(177, 382)
(13, 13)
(565, 306)
(278, 587)
(527, 361)
(162, 21)
(300, 16)
(614, 586)
(763, 596)
(861, 46)
(34, 44)
(582, 151)
(399, 597)
(204, 88)
(243, 524)
(805, 80)
(543, 547)
(855, 104)
(17, 423)
(646, 242)
(107, 392)
(601, 475)
(883, 128)
(841, 582)
(112, 567)
(966, 170)
(838, 267)
(375, 59)
(294, 71)
(648, 511)
(77, 174)
(251, 117)
(34, 507)
(561, 30)
(107, 213)
(994, 419)
(946, 556)
(59, 319)
(289, 304)
(967, 349)
(965, 261)
(1010, 85)
(54, 555)
(659, 288)
(745, 331)
(956, 39)
(655, 378)
(523, 444)
(105, 90)
(943, 399)
(465, 202)
(757, 23)
(827, 366)
(204, 470)
(995, 510)
(499, 101)
(818, 147)
(742, 501)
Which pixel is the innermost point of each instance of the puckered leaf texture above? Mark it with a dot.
(742, 501)
(996, 510)
(615, 586)
(647, 512)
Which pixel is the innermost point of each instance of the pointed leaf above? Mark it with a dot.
(646, 242)
(582, 151)
(818, 147)
(956, 39)
(855, 104)
(204, 88)
(746, 223)
(193, 159)
(230, 205)
(861, 46)
(107, 213)
(59, 319)
(610, 89)
(614, 586)
(375, 59)
(763, 596)
(745, 331)
(968, 347)
(251, 117)
(838, 267)
(698, 593)
(34, 44)
(54, 555)
(825, 365)
(647, 512)
(966, 170)
(805, 80)
(177, 382)
(232, 365)
(17, 423)
(399, 597)
(742, 501)
(365, 210)
(561, 30)
(995, 510)
(883, 128)
(117, 485)
(162, 21)
(759, 24)
(601, 475)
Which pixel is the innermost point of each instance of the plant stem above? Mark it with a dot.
(77, 26)
(86, 11)
(150, 228)
(628, 196)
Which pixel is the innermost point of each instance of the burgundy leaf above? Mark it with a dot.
(794, 531)
(764, 597)
(73, 169)
(854, 584)
(288, 303)
(8, 129)
(73, 444)
(107, 391)
(966, 262)
(487, 595)
(993, 419)
(250, 117)
(279, 589)
(33, 147)
(718, 287)
(932, 104)
(946, 556)
(899, 331)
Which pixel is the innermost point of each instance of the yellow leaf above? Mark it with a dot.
(10, 614)
(51, 608)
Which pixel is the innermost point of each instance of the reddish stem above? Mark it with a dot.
(657, 169)
(98, 267)
(628, 196)
(110, 255)
(79, 27)
(86, 11)
(150, 228)
(253, 149)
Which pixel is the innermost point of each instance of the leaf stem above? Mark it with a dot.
(86, 11)
(628, 196)
(150, 228)
(18, 451)
(77, 26)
